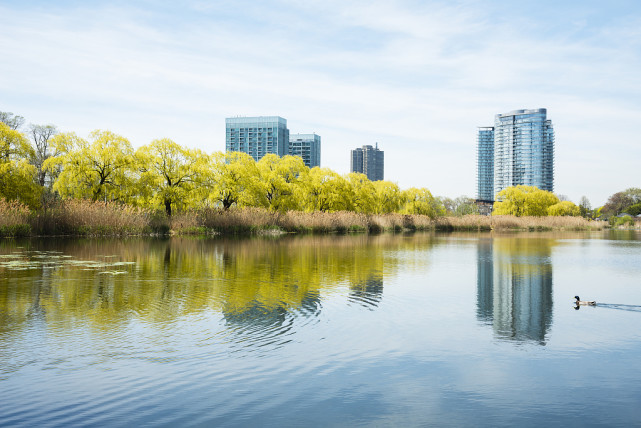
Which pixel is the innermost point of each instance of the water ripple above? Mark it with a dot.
(620, 307)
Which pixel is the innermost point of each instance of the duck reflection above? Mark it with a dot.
(514, 287)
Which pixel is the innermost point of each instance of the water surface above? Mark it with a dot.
(386, 330)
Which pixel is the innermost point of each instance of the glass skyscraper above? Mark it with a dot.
(307, 146)
(257, 136)
(368, 160)
(523, 152)
(485, 162)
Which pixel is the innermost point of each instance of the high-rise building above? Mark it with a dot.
(368, 160)
(307, 146)
(485, 162)
(257, 136)
(523, 152)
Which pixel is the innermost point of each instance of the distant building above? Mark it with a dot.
(307, 146)
(257, 136)
(485, 163)
(522, 147)
(368, 160)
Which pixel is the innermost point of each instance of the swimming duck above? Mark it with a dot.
(582, 302)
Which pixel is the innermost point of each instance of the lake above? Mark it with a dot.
(350, 330)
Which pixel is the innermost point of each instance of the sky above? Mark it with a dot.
(416, 77)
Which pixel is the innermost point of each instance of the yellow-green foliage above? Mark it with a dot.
(524, 201)
(421, 201)
(165, 175)
(626, 220)
(564, 208)
(96, 169)
(280, 177)
(232, 179)
(388, 197)
(169, 175)
(325, 190)
(17, 176)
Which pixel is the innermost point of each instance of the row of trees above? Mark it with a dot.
(163, 174)
(625, 202)
(41, 164)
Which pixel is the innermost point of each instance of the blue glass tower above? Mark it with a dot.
(257, 136)
(485, 163)
(523, 152)
(307, 146)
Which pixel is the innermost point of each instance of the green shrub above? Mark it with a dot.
(623, 221)
(15, 230)
(634, 210)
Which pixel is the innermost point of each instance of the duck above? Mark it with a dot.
(584, 302)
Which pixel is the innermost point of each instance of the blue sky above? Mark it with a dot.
(417, 77)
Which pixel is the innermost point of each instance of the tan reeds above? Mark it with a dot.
(507, 222)
(14, 218)
(82, 217)
(237, 220)
(341, 221)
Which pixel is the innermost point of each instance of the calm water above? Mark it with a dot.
(389, 330)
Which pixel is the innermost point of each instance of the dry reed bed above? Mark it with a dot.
(259, 219)
(14, 218)
(82, 217)
(507, 222)
(78, 217)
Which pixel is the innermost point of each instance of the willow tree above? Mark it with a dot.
(421, 201)
(17, 176)
(388, 197)
(279, 179)
(564, 208)
(96, 169)
(233, 179)
(324, 190)
(362, 193)
(169, 173)
(524, 201)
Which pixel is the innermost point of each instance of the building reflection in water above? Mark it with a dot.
(514, 287)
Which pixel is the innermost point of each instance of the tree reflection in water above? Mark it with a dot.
(262, 281)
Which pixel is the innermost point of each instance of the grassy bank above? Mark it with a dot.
(83, 218)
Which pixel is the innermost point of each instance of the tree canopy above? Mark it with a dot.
(96, 169)
(622, 202)
(169, 173)
(564, 208)
(524, 201)
(17, 175)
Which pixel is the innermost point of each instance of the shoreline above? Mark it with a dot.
(122, 221)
